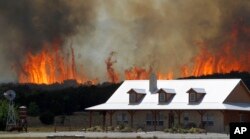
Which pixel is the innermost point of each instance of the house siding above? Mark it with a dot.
(139, 120)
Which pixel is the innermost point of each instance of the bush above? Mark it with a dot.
(182, 130)
(3, 113)
(111, 128)
(119, 127)
(33, 109)
(139, 130)
(127, 129)
(47, 118)
(95, 128)
(191, 125)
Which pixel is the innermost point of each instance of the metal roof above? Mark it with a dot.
(167, 90)
(217, 91)
(139, 91)
(198, 90)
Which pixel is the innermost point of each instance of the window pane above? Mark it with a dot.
(162, 97)
(192, 96)
(132, 97)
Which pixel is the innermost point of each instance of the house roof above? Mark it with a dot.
(216, 92)
(167, 90)
(198, 90)
(139, 91)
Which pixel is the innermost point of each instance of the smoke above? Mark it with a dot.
(161, 34)
(27, 25)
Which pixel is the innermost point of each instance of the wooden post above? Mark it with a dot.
(201, 112)
(131, 113)
(103, 120)
(224, 120)
(171, 119)
(111, 117)
(178, 112)
(154, 114)
(90, 119)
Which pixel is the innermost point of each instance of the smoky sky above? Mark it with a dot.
(147, 33)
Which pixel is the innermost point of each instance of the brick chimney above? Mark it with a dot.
(153, 83)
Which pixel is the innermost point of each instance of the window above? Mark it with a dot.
(185, 118)
(160, 119)
(132, 98)
(122, 118)
(162, 97)
(208, 119)
(192, 97)
(150, 119)
(242, 119)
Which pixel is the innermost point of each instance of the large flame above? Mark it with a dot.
(51, 66)
(220, 61)
(112, 75)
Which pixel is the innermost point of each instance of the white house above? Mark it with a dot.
(158, 104)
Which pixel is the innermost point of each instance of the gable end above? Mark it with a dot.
(240, 94)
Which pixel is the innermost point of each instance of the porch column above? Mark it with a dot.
(131, 113)
(90, 118)
(103, 120)
(224, 120)
(201, 112)
(171, 119)
(154, 112)
(178, 112)
(111, 117)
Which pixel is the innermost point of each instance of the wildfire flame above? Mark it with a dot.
(112, 75)
(222, 61)
(49, 67)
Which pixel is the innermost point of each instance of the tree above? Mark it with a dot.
(33, 109)
(47, 118)
(3, 113)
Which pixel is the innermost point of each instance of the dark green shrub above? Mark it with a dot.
(191, 125)
(126, 129)
(47, 118)
(3, 114)
(111, 128)
(33, 109)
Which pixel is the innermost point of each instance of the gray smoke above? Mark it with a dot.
(147, 33)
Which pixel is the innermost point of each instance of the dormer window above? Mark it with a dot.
(165, 95)
(162, 97)
(192, 97)
(132, 98)
(136, 95)
(196, 95)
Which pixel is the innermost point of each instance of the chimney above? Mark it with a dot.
(152, 83)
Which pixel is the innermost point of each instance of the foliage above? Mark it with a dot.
(33, 109)
(127, 129)
(184, 130)
(60, 101)
(47, 118)
(191, 125)
(3, 113)
(111, 128)
(95, 129)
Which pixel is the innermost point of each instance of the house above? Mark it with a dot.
(158, 104)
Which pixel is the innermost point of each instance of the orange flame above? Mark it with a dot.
(49, 67)
(222, 61)
(112, 75)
